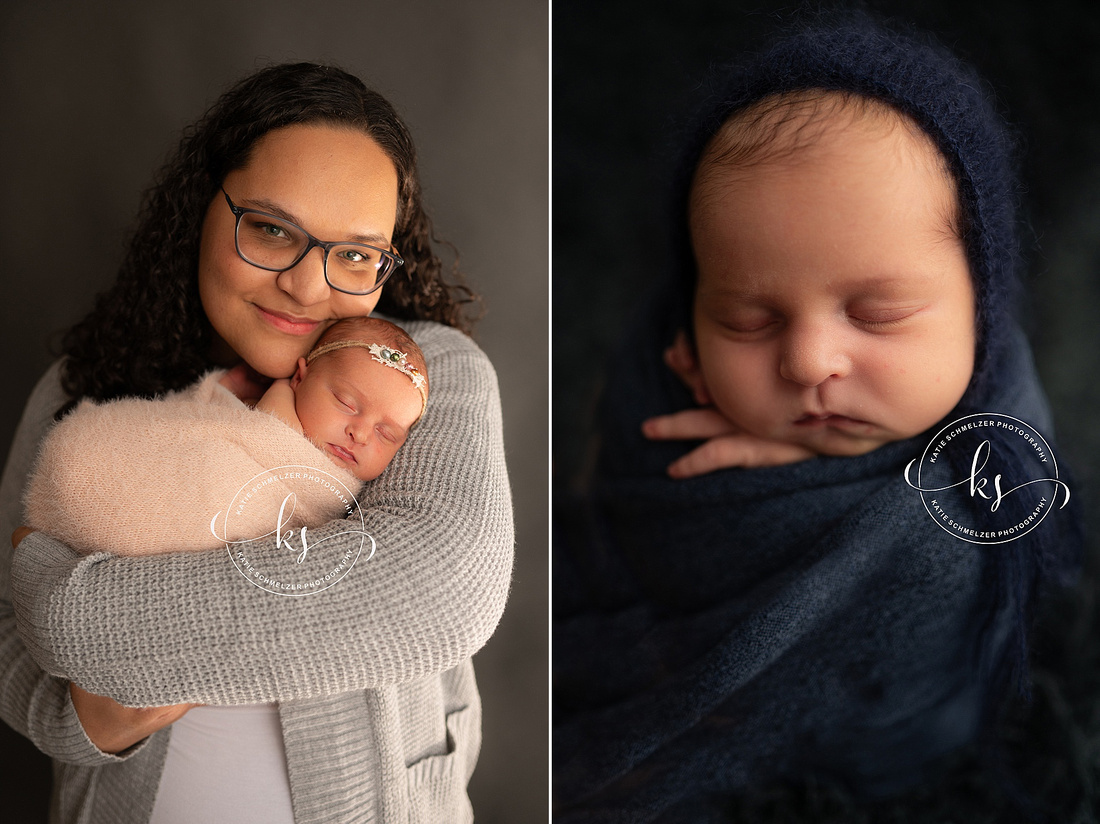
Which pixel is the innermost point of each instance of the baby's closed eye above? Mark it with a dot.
(344, 402)
(877, 316)
(389, 435)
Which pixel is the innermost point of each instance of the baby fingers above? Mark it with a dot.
(689, 425)
(728, 451)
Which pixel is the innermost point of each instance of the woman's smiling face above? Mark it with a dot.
(834, 307)
(334, 182)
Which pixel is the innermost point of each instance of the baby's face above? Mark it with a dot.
(834, 306)
(357, 410)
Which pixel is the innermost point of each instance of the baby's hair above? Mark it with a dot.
(375, 330)
(779, 127)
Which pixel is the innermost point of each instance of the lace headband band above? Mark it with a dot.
(392, 358)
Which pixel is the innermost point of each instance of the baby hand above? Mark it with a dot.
(725, 445)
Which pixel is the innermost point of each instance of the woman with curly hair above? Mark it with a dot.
(169, 688)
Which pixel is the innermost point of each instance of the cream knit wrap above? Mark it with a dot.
(142, 477)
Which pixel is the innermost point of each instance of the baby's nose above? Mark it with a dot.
(355, 430)
(812, 354)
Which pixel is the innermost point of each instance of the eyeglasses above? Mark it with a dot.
(276, 245)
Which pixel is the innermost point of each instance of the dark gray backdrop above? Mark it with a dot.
(94, 96)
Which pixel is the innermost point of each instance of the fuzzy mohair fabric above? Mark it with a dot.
(141, 477)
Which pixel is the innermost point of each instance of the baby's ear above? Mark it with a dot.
(680, 358)
(299, 373)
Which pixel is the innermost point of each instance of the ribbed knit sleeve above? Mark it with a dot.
(189, 627)
(32, 702)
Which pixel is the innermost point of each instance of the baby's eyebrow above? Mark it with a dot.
(885, 281)
(905, 288)
(727, 291)
(890, 285)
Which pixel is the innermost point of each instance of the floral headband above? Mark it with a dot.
(384, 355)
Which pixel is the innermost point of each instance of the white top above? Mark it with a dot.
(225, 765)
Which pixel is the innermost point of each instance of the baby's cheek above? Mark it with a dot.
(742, 401)
(925, 394)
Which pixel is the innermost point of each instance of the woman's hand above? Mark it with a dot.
(113, 727)
(725, 444)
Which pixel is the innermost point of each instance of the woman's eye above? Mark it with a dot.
(356, 259)
(271, 230)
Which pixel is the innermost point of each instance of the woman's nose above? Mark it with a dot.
(305, 281)
(813, 353)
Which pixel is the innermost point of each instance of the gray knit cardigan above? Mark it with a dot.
(377, 700)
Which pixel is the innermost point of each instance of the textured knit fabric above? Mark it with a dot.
(749, 626)
(138, 477)
(752, 625)
(378, 704)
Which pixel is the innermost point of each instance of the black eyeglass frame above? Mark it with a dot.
(240, 211)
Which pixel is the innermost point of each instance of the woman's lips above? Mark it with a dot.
(289, 324)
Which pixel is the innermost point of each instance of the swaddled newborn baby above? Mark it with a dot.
(138, 476)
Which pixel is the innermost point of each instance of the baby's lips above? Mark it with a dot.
(343, 453)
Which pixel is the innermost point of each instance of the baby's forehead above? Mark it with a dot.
(357, 365)
(348, 358)
(781, 134)
(781, 128)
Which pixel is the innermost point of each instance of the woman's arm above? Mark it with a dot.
(183, 628)
(34, 703)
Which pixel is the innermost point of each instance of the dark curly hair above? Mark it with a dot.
(148, 333)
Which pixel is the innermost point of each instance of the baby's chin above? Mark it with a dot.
(835, 439)
(361, 473)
